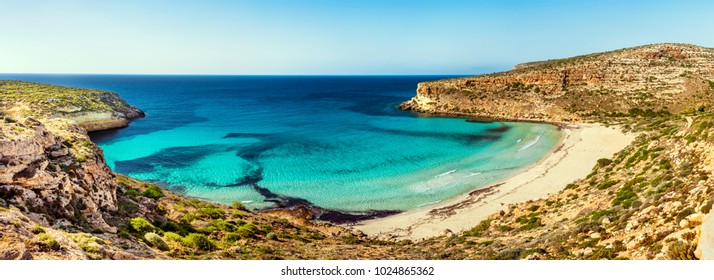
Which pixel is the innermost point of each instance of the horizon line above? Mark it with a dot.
(256, 75)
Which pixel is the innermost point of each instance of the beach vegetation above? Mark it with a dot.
(479, 229)
(607, 184)
(603, 162)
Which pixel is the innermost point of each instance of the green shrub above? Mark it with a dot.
(231, 237)
(153, 191)
(607, 184)
(211, 212)
(188, 218)
(37, 229)
(603, 162)
(681, 251)
(238, 206)
(478, 230)
(271, 236)
(141, 225)
(49, 241)
(132, 192)
(172, 236)
(625, 197)
(155, 240)
(198, 241)
(247, 231)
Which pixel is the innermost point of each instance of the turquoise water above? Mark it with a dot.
(337, 142)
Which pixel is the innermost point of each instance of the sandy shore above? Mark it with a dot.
(573, 159)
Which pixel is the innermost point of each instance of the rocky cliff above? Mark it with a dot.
(653, 79)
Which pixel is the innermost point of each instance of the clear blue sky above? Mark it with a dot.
(331, 36)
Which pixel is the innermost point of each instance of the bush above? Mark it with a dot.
(238, 206)
(141, 225)
(155, 240)
(603, 162)
(188, 218)
(37, 229)
(132, 192)
(153, 191)
(211, 212)
(681, 251)
(231, 237)
(198, 241)
(271, 236)
(247, 231)
(172, 236)
(49, 241)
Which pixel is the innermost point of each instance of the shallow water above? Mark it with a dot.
(337, 142)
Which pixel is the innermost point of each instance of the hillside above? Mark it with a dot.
(653, 79)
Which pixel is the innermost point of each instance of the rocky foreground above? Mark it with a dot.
(59, 200)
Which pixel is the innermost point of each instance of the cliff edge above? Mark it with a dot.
(652, 79)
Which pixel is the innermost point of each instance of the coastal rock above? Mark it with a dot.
(42, 174)
(448, 233)
(565, 90)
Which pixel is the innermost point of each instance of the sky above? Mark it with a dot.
(329, 37)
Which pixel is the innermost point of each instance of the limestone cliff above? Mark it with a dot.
(56, 171)
(663, 78)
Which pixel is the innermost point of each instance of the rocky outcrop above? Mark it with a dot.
(666, 77)
(92, 109)
(55, 170)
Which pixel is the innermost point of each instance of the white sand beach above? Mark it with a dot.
(580, 148)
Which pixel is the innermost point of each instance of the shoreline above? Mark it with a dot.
(572, 159)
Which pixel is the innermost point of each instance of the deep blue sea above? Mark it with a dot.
(336, 142)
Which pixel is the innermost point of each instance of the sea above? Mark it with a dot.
(336, 143)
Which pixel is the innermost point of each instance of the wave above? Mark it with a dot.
(445, 173)
(428, 203)
(531, 143)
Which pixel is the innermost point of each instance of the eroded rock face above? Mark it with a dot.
(663, 77)
(62, 176)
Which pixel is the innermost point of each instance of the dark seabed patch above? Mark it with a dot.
(483, 121)
(176, 157)
(501, 129)
(169, 119)
(322, 214)
(465, 138)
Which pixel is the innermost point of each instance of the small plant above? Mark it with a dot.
(238, 206)
(132, 192)
(271, 236)
(153, 191)
(172, 236)
(37, 229)
(49, 241)
(141, 225)
(681, 251)
(155, 240)
(198, 241)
